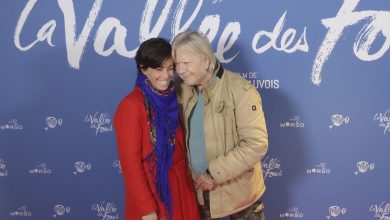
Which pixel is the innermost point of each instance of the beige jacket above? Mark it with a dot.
(236, 140)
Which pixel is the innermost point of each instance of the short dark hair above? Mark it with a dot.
(153, 53)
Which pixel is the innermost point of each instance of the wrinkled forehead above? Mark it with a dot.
(185, 54)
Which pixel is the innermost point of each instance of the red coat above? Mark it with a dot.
(130, 122)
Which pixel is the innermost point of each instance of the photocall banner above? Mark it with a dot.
(321, 67)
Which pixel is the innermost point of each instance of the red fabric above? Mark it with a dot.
(130, 122)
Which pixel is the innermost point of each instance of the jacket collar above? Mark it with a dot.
(215, 79)
(219, 69)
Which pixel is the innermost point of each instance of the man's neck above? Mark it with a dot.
(205, 82)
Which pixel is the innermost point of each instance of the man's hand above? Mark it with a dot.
(205, 182)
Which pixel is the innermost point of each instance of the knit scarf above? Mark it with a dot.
(162, 111)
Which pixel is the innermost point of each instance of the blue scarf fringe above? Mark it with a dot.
(163, 116)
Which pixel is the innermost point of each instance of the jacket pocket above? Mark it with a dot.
(225, 118)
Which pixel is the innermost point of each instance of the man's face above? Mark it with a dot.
(191, 67)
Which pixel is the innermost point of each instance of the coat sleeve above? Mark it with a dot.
(128, 129)
(253, 139)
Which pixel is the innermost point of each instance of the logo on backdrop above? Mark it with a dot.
(381, 211)
(271, 168)
(21, 212)
(318, 169)
(335, 211)
(60, 210)
(292, 213)
(106, 210)
(260, 83)
(81, 167)
(294, 122)
(52, 122)
(338, 120)
(3, 169)
(383, 120)
(41, 169)
(11, 125)
(363, 167)
(117, 164)
(99, 121)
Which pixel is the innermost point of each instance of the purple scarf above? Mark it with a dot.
(163, 115)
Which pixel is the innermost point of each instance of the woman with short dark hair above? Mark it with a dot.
(150, 141)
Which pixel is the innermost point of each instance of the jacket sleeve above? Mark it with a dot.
(128, 129)
(253, 139)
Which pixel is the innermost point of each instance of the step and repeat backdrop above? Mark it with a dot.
(322, 68)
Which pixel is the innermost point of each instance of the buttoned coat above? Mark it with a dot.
(236, 139)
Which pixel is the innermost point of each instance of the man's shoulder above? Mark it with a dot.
(236, 81)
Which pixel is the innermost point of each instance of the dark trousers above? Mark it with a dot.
(253, 212)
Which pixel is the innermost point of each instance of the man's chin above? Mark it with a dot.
(189, 82)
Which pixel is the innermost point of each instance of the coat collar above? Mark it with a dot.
(214, 81)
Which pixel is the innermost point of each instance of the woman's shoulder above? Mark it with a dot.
(133, 101)
(134, 97)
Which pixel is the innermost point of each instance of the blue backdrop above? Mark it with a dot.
(322, 68)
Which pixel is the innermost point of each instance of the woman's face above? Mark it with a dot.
(191, 67)
(161, 76)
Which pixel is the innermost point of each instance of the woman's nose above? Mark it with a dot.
(167, 73)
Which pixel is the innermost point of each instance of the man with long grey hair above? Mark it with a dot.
(225, 131)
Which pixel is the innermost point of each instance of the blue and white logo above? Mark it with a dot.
(60, 210)
(381, 211)
(292, 213)
(271, 168)
(3, 168)
(335, 211)
(363, 167)
(106, 210)
(294, 122)
(11, 125)
(21, 212)
(383, 120)
(319, 169)
(117, 164)
(81, 167)
(41, 169)
(338, 120)
(52, 122)
(101, 122)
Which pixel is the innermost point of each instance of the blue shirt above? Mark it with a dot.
(196, 138)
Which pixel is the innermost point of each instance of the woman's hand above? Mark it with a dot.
(150, 216)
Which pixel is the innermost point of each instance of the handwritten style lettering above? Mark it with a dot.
(363, 42)
(284, 41)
